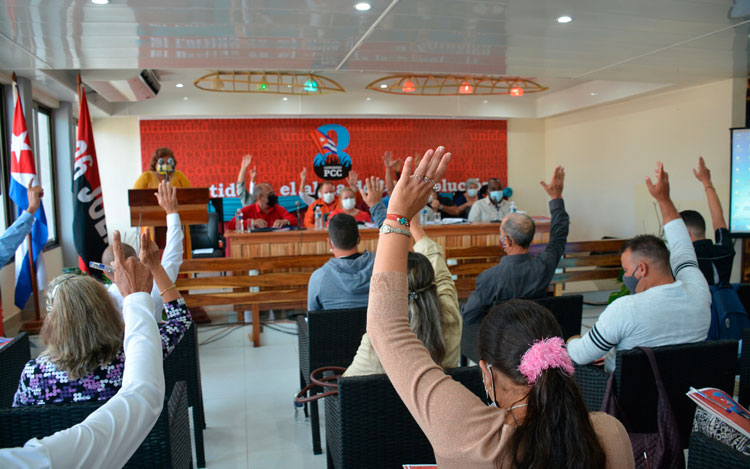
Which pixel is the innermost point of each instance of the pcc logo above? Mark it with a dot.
(332, 162)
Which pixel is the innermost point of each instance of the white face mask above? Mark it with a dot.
(471, 192)
(328, 197)
(348, 204)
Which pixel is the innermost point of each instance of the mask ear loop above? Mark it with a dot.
(491, 399)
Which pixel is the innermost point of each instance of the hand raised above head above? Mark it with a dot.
(555, 187)
(374, 192)
(659, 190)
(702, 173)
(412, 190)
(131, 276)
(303, 175)
(166, 195)
(34, 194)
(247, 160)
(149, 254)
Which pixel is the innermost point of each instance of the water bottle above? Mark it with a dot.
(318, 218)
(299, 415)
(423, 216)
(513, 208)
(238, 225)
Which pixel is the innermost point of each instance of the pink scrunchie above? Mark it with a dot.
(544, 354)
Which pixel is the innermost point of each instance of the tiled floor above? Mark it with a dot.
(248, 395)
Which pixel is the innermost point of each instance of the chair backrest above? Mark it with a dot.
(367, 421)
(206, 235)
(568, 310)
(334, 336)
(13, 357)
(703, 364)
(167, 444)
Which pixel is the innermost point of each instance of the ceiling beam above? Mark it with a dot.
(367, 33)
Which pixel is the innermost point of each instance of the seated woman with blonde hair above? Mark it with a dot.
(434, 315)
(83, 359)
(536, 416)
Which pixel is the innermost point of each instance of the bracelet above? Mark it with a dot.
(167, 289)
(385, 229)
(399, 218)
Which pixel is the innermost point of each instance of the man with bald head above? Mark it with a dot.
(519, 275)
(171, 258)
(266, 211)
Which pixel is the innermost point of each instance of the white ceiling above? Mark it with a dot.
(657, 42)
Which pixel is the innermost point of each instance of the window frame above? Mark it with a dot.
(53, 242)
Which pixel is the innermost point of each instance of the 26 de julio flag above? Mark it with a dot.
(89, 222)
(23, 172)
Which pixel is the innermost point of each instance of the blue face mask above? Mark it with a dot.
(631, 282)
(497, 196)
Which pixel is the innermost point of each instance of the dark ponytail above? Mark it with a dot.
(556, 431)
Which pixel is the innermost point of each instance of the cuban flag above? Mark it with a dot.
(23, 172)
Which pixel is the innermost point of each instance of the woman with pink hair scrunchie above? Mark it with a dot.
(537, 418)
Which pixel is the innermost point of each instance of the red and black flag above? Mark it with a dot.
(89, 222)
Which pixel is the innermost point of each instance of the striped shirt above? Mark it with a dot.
(675, 313)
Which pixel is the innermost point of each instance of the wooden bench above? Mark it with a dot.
(281, 283)
(582, 261)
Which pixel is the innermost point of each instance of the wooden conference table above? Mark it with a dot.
(310, 242)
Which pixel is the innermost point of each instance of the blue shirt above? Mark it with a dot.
(14, 236)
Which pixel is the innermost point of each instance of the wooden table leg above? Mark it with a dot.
(256, 325)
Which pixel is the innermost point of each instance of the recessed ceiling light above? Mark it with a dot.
(592, 94)
(285, 98)
(384, 86)
(179, 85)
(485, 101)
(362, 6)
(100, 2)
(368, 99)
(564, 19)
(185, 98)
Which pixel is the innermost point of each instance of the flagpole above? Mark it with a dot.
(32, 270)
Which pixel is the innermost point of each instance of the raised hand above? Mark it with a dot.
(303, 177)
(555, 187)
(166, 195)
(131, 276)
(702, 173)
(247, 160)
(660, 189)
(149, 254)
(412, 190)
(374, 192)
(352, 179)
(253, 173)
(35, 194)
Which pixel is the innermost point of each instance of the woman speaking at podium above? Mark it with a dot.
(162, 166)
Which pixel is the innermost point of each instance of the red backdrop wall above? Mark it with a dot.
(209, 151)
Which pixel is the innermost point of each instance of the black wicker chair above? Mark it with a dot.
(327, 338)
(167, 445)
(706, 453)
(13, 357)
(183, 364)
(567, 309)
(368, 424)
(700, 365)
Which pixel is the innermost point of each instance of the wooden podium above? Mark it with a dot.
(193, 210)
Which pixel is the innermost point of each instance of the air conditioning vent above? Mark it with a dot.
(123, 85)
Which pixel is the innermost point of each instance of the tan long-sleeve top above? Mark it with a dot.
(463, 431)
(366, 360)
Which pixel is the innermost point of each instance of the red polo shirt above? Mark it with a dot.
(253, 211)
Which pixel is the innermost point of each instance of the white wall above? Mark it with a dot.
(118, 151)
(609, 150)
(526, 164)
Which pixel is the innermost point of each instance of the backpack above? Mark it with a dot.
(728, 315)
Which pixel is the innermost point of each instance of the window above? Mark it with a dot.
(45, 168)
(4, 167)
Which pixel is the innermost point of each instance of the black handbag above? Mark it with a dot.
(662, 449)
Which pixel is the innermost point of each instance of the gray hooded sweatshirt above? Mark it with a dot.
(341, 283)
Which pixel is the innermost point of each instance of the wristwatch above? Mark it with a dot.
(385, 229)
